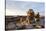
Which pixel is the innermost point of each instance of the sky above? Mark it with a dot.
(21, 7)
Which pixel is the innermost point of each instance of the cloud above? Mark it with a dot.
(15, 12)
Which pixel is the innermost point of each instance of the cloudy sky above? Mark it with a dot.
(20, 7)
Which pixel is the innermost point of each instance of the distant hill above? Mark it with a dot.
(14, 18)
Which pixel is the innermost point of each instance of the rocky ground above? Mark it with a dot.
(10, 24)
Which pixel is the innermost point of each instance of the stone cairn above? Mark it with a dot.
(31, 18)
